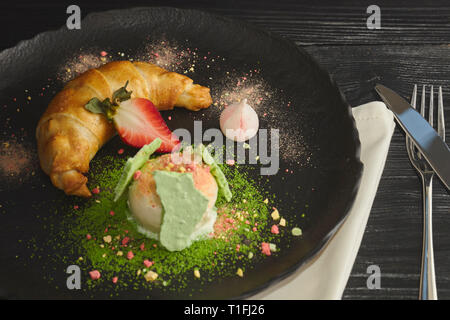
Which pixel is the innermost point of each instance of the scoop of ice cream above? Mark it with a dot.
(239, 122)
(145, 203)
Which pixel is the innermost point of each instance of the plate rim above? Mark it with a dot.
(356, 161)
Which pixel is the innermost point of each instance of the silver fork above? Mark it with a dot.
(428, 289)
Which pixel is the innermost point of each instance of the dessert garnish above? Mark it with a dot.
(137, 120)
(173, 201)
(239, 121)
(216, 172)
(184, 206)
(133, 164)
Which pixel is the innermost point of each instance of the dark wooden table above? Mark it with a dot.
(412, 46)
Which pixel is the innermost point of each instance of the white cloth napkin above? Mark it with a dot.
(326, 276)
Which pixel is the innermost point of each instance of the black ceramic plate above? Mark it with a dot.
(319, 147)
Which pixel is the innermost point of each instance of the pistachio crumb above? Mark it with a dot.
(275, 214)
(296, 231)
(150, 276)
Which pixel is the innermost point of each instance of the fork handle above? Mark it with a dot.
(428, 289)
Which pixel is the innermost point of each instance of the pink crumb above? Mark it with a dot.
(169, 117)
(274, 229)
(130, 255)
(111, 213)
(137, 174)
(75, 207)
(103, 53)
(148, 263)
(125, 240)
(96, 190)
(114, 280)
(265, 248)
(94, 274)
(142, 246)
(230, 162)
(120, 151)
(88, 236)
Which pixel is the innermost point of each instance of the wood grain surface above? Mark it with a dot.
(412, 46)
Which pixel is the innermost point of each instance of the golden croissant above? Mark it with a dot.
(68, 136)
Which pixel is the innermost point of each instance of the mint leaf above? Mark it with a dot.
(94, 105)
(108, 107)
(121, 94)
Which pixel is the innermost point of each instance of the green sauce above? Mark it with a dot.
(183, 208)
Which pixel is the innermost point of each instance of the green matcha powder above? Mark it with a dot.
(104, 239)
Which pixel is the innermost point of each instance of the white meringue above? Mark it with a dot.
(239, 121)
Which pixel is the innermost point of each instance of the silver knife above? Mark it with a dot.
(427, 140)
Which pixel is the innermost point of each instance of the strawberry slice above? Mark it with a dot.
(137, 120)
(138, 123)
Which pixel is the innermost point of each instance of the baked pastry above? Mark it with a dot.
(68, 136)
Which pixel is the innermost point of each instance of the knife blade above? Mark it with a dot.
(427, 140)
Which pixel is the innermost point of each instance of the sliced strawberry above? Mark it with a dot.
(138, 123)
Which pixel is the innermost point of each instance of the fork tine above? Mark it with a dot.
(422, 105)
(414, 97)
(441, 122)
(422, 113)
(409, 143)
(430, 112)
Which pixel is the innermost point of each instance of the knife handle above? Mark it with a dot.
(428, 289)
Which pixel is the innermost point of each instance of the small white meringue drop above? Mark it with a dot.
(239, 122)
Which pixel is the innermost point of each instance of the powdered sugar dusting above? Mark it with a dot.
(17, 161)
(81, 63)
(271, 105)
(167, 55)
(273, 109)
